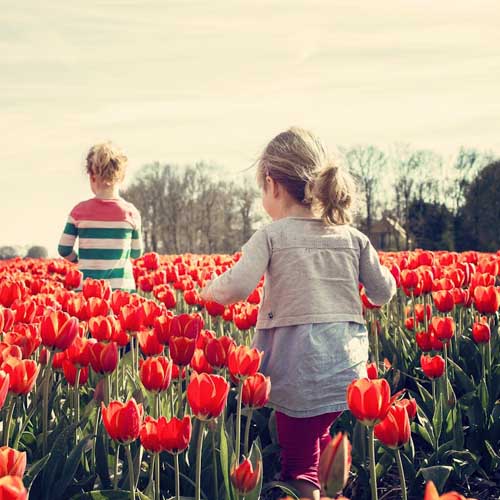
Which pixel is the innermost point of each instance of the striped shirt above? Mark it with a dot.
(109, 235)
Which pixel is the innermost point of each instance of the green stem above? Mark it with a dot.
(117, 382)
(171, 400)
(106, 390)
(46, 387)
(238, 422)
(94, 439)
(247, 432)
(401, 474)
(115, 474)
(433, 383)
(446, 390)
(77, 402)
(199, 447)
(179, 394)
(10, 413)
(414, 312)
(373, 474)
(130, 472)
(177, 477)
(157, 476)
(214, 467)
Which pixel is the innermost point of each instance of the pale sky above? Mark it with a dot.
(181, 81)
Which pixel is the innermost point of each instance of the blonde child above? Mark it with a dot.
(108, 228)
(310, 324)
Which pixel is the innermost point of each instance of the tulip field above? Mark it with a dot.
(157, 395)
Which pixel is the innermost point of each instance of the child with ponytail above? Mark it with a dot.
(310, 324)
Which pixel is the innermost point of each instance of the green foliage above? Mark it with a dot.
(477, 221)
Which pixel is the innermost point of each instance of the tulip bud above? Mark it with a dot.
(335, 464)
(244, 477)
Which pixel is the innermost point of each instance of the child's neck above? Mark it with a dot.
(295, 210)
(107, 192)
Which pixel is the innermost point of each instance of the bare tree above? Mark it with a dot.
(367, 164)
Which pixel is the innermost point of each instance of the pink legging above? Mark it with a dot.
(302, 440)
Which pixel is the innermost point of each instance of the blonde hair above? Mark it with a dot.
(298, 161)
(106, 162)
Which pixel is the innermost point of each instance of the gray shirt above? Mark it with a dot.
(312, 271)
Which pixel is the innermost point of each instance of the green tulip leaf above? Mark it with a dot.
(438, 474)
(71, 466)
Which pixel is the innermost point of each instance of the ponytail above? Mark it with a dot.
(333, 194)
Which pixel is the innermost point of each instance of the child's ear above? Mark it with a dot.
(276, 188)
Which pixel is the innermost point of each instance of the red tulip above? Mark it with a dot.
(149, 435)
(70, 371)
(104, 357)
(101, 328)
(73, 279)
(203, 338)
(207, 395)
(24, 311)
(217, 349)
(10, 291)
(12, 488)
(97, 307)
(372, 370)
(162, 328)
(131, 318)
(444, 328)
(58, 330)
(149, 343)
(335, 464)
(6, 319)
(96, 288)
(256, 390)
(79, 352)
(123, 420)
(486, 299)
(243, 361)
(156, 373)
(165, 295)
(9, 351)
(244, 477)
(369, 400)
(394, 430)
(4, 386)
(443, 300)
(151, 261)
(119, 298)
(432, 366)
(214, 308)
(410, 406)
(22, 375)
(199, 362)
(431, 493)
(409, 279)
(175, 434)
(481, 333)
(12, 462)
(181, 350)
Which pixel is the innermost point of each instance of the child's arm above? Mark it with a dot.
(67, 241)
(136, 246)
(378, 281)
(239, 282)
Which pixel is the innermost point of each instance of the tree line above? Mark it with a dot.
(450, 205)
(441, 204)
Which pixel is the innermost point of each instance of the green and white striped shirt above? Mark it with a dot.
(109, 235)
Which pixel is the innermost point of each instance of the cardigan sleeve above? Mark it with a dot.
(378, 281)
(239, 282)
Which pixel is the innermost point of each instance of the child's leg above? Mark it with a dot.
(301, 441)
